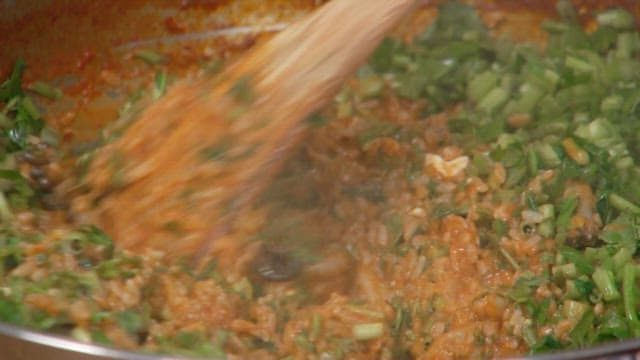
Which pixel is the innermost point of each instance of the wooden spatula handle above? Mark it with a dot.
(198, 157)
(301, 68)
(298, 71)
(310, 59)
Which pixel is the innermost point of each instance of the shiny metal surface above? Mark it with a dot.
(623, 350)
(18, 343)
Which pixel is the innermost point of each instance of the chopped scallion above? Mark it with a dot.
(46, 90)
(616, 18)
(367, 331)
(605, 282)
(150, 57)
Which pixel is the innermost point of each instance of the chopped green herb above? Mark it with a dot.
(150, 57)
(46, 90)
(12, 87)
(368, 331)
(160, 85)
(243, 91)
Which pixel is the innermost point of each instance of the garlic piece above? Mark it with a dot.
(447, 169)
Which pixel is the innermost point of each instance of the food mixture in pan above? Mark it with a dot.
(464, 196)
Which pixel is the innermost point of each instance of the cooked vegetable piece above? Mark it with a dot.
(549, 200)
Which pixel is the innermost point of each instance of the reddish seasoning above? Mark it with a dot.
(85, 58)
(67, 135)
(5, 71)
(172, 26)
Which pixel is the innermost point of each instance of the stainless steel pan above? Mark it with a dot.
(53, 35)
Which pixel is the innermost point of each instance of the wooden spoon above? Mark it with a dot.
(182, 173)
